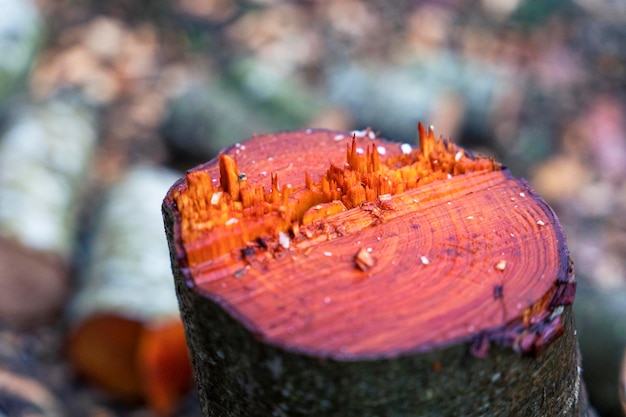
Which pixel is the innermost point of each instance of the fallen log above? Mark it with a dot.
(125, 331)
(45, 153)
(334, 274)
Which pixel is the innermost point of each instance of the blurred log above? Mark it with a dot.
(467, 91)
(126, 332)
(44, 154)
(328, 277)
(248, 98)
(602, 334)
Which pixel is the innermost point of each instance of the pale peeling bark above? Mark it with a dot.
(125, 331)
(127, 270)
(44, 155)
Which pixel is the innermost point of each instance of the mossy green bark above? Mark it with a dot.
(239, 374)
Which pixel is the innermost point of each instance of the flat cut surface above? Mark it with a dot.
(445, 261)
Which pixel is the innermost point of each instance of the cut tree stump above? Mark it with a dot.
(337, 274)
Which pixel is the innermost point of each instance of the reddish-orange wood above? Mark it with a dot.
(164, 366)
(108, 361)
(133, 361)
(354, 247)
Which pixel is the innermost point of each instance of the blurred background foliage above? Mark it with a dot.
(540, 85)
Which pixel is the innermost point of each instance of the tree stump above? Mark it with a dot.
(337, 274)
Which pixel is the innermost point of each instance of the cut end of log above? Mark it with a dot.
(34, 285)
(132, 361)
(362, 248)
(164, 366)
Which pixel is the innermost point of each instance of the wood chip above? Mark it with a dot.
(364, 259)
(501, 265)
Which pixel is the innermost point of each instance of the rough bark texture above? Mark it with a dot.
(245, 368)
(238, 375)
